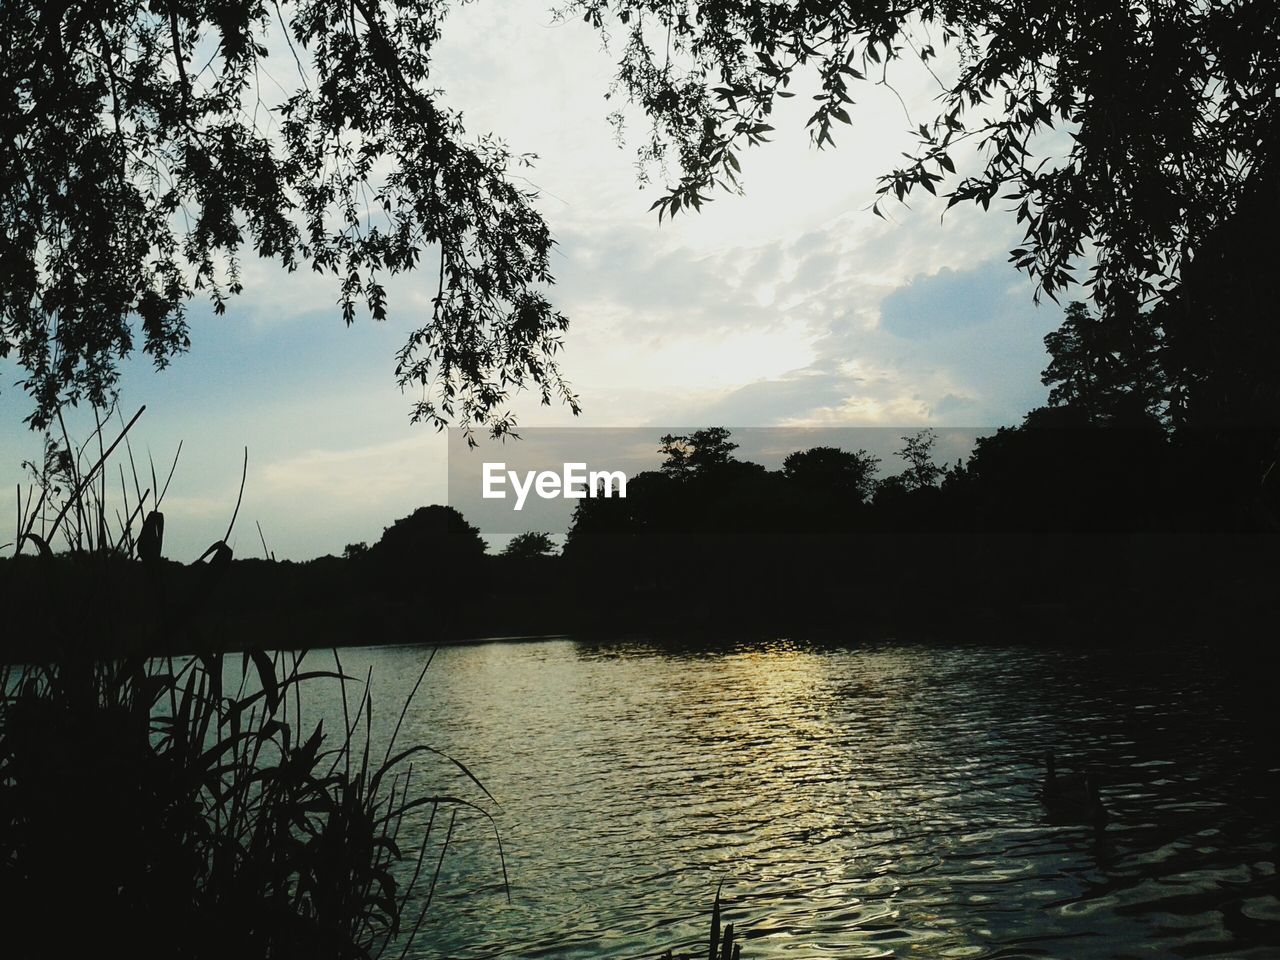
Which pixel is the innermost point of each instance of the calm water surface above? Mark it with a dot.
(873, 801)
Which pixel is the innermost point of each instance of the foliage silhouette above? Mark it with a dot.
(431, 544)
(1164, 170)
(917, 451)
(700, 451)
(1099, 496)
(1107, 367)
(135, 178)
(425, 534)
(1169, 113)
(532, 544)
(832, 470)
(199, 811)
(719, 947)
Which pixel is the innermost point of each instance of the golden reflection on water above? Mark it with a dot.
(871, 802)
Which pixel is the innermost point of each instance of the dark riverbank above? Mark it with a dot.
(1103, 591)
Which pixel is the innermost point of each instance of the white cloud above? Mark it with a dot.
(791, 305)
(380, 475)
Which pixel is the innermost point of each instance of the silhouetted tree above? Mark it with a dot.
(917, 451)
(532, 544)
(431, 548)
(1222, 343)
(354, 551)
(698, 451)
(1220, 355)
(1172, 134)
(133, 175)
(1073, 373)
(1105, 366)
(1154, 98)
(1062, 472)
(834, 470)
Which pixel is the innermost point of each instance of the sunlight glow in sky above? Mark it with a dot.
(791, 305)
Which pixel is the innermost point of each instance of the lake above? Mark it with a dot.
(861, 801)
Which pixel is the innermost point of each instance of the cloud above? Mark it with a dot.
(379, 474)
(790, 305)
(948, 300)
(958, 347)
(780, 400)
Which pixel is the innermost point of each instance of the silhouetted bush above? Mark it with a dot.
(181, 807)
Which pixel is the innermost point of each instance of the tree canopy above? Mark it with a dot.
(702, 450)
(1105, 367)
(146, 156)
(428, 534)
(1170, 108)
(850, 474)
(535, 543)
(917, 451)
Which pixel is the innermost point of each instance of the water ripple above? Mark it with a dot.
(859, 802)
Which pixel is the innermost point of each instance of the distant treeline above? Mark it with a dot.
(1129, 503)
(1057, 527)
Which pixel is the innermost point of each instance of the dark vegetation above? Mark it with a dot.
(1112, 510)
(1137, 143)
(720, 945)
(1052, 530)
(194, 806)
(188, 808)
(209, 803)
(203, 820)
(1142, 498)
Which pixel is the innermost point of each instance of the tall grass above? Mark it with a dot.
(184, 806)
(721, 944)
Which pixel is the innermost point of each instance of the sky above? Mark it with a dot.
(792, 305)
